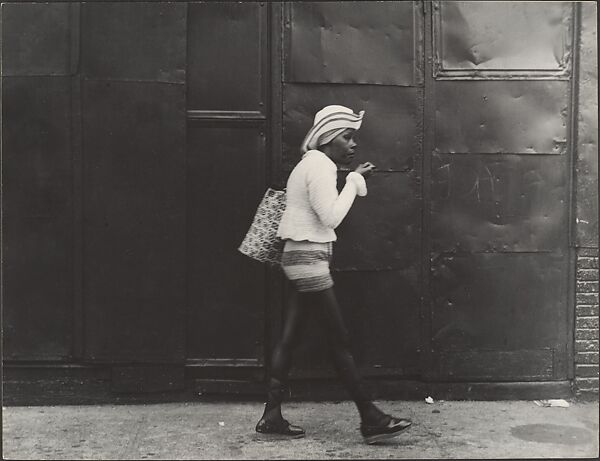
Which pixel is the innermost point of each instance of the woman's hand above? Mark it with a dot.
(366, 169)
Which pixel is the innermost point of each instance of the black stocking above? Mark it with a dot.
(330, 317)
(281, 360)
(339, 346)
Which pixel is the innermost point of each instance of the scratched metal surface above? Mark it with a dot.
(352, 42)
(382, 231)
(36, 38)
(489, 117)
(500, 203)
(497, 301)
(587, 141)
(503, 36)
(143, 41)
(499, 223)
(391, 133)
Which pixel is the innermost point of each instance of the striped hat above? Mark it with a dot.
(330, 122)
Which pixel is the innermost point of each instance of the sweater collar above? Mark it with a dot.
(318, 153)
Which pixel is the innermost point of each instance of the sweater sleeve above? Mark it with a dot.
(324, 199)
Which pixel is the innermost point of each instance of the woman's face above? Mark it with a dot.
(341, 148)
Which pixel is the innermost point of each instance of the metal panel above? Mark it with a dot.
(502, 39)
(383, 229)
(482, 365)
(37, 207)
(147, 378)
(380, 309)
(36, 146)
(225, 56)
(134, 41)
(37, 305)
(134, 221)
(497, 301)
(501, 117)
(500, 203)
(226, 290)
(390, 135)
(36, 38)
(587, 140)
(352, 42)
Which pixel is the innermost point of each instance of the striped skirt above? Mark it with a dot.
(306, 264)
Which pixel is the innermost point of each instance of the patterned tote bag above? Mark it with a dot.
(261, 241)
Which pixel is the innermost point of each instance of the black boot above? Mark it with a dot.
(279, 428)
(272, 422)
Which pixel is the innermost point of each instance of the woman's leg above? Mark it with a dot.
(281, 360)
(339, 345)
(292, 326)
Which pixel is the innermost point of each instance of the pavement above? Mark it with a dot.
(225, 430)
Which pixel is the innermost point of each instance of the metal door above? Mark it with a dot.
(498, 158)
(456, 265)
(145, 159)
(367, 56)
(133, 123)
(226, 147)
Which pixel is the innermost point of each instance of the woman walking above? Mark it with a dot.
(313, 210)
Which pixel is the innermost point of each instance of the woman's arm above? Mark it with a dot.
(323, 196)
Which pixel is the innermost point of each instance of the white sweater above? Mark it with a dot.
(313, 207)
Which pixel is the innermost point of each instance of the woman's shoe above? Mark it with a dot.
(392, 428)
(280, 428)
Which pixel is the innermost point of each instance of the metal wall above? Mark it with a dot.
(586, 167)
(367, 58)
(226, 163)
(500, 103)
(133, 123)
(94, 150)
(469, 122)
(138, 138)
(37, 170)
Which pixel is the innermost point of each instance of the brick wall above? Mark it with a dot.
(586, 209)
(586, 324)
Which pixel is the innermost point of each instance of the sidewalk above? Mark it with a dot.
(220, 430)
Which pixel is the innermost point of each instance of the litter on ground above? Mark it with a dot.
(552, 403)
